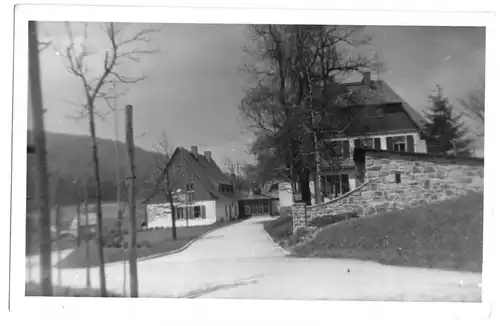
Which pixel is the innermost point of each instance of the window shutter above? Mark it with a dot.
(410, 144)
(203, 212)
(345, 148)
(377, 143)
(390, 143)
(357, 143)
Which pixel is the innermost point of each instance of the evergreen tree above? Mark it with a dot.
(445, 131)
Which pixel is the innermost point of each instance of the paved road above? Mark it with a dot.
(241, 261)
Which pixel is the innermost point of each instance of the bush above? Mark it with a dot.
(279, 228)
(286, 211)
(331, 219)
(299, 234)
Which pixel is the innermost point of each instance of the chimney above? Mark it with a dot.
(194, 150)
(208, 156)
(366, 78)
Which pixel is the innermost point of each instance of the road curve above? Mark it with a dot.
(241, 261)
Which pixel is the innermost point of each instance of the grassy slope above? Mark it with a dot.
(279, 229)
(446, 235)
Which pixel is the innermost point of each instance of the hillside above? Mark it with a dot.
(443, 235)
(69, 156)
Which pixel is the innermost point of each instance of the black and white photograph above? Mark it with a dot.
(321, 161)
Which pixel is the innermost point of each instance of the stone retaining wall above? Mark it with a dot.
(394, 180)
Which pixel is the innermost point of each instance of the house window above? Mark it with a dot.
(373, 143)
(197, 211)
(368, 143)
(399, 144)
(337, 148)
(398, 177)
(341, 148)
(179, 213)
(190, 186)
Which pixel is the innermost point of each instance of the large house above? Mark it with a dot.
(203, 193)
(383, 121)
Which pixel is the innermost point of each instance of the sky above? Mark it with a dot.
(195, 83)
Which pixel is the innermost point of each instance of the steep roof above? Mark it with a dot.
(379, 92)
(209, 172)
(385, 94)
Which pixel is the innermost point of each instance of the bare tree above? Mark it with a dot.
(97, 81)
(473, 104)
(296, 95)
(330, 53)
(272, 106)
(165, 181)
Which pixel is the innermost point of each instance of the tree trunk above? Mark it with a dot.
(87, 246)
(146, 216)
(78, 223)
(43, 182)
(172, 213)
(304, 186)
(134, 288)
(95, 159)
(58, 241)
(317, 157)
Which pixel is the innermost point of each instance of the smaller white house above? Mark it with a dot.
(203, 193)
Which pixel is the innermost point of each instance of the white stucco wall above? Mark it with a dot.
(420, 144)
(159, 215)
(232, 209)
(285, 194)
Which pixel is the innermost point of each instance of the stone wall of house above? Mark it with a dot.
(395, 180)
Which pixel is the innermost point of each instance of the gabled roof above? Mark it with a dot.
(379, 92)
(209, 172)
(383, 93)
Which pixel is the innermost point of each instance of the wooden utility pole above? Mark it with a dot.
(35, 93)
(58, 240)
(57, 207)
(86, 233)
(131, 202)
